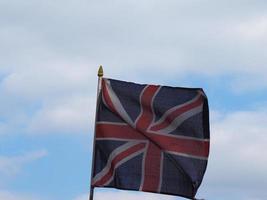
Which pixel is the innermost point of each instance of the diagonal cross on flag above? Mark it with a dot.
(147, 136)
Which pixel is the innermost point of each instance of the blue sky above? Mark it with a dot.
(49, 55)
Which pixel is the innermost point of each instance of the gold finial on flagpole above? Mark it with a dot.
(100, 71)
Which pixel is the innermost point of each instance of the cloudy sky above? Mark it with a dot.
(49, 54)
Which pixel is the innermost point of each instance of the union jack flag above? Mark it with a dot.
(151, 138)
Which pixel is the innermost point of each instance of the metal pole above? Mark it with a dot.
(100, 75)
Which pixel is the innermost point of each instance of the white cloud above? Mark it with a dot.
(237, 161)
(73, 114)
(64, 95)
(11, 165)
(254, 29)
(7, 195)
(50, 79)
(102, 194)
(177, 36)
(82, 197)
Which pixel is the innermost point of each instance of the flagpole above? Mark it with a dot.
(100, 75)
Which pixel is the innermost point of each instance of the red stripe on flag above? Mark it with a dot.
(152, 168)
(115, 161)
(179, 111)
(117, 131)
(106, 97)
(146, 116)
(183, 146)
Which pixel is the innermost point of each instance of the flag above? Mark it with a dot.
(151, 138)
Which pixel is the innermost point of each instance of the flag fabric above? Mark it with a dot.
(151, 138)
